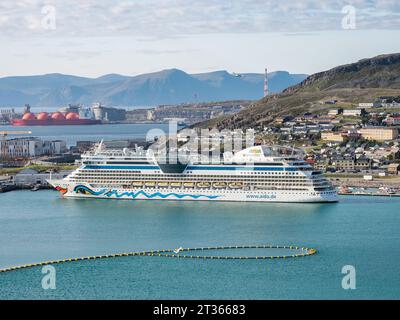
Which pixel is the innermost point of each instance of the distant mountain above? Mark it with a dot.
(171, 86)
(350, 84)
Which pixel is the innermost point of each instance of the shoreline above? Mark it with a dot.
(5, 189)
(365, 194)
(9, 188)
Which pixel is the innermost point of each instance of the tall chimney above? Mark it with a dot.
(266, 90)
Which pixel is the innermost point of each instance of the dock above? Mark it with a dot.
(369, 194)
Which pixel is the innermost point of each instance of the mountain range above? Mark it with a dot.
(170, 86)
(350, 84)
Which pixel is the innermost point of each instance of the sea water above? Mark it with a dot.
(95, 133)
(362, 232)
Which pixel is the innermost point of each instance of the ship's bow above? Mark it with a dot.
(59, 184)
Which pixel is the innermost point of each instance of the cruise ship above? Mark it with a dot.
(255, 174)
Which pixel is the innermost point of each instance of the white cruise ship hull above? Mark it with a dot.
(71, 190)
(256, 174)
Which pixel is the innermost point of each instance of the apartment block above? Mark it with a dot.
(379, 133)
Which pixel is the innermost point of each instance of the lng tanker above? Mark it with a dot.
(54, 119)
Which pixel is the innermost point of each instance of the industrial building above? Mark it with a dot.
(31, 147)
(30, 176)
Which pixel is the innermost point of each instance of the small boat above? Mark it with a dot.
(137, 183)
(344, 189)
(188, 184)
(236, 185)
(35, 188)
(175, 184)
(203, 184)
(150, 184)
(383, 190)
(163, 184)
(219, 185)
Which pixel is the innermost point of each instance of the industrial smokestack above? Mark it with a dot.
(266, 90)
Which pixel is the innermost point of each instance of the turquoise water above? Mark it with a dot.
(72, 134)
(358, 231)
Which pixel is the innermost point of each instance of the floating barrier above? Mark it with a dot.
(182, 253)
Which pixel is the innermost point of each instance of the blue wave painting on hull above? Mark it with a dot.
(134, 195)
(84, 189)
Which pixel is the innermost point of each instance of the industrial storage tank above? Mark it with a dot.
(57, 116)
(29, 116)
(54, 119)
(72, 116)
(43, 116)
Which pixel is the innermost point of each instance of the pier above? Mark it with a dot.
(369, 194)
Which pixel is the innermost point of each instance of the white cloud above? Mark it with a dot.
(162, 18)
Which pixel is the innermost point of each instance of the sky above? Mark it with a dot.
(97, 37)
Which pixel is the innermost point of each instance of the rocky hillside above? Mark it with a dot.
(350, 84)
(379, 72)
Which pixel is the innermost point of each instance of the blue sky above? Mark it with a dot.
(91, 38)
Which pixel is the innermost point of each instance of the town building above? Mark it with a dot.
(334, 112)
(139, 115)
(333, 136)
(31, 147)
(6, 180)
(282, 119)
(20, 147)
(366, 105)
(353, 112)
(30, 176)
(393, 168)
(6, 115)
(321, 164)
(331, 102)
(379, 133)
(392, 120)
(363, 163)
(54, 147)
(344, 163)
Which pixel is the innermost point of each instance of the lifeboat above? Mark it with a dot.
(188, 184)
(203, 185)
(219, 185)
(137, 183)
(150, 184)
(162, 184)
(175, 184)
(236, 185)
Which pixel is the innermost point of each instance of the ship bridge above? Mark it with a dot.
(261, 154)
